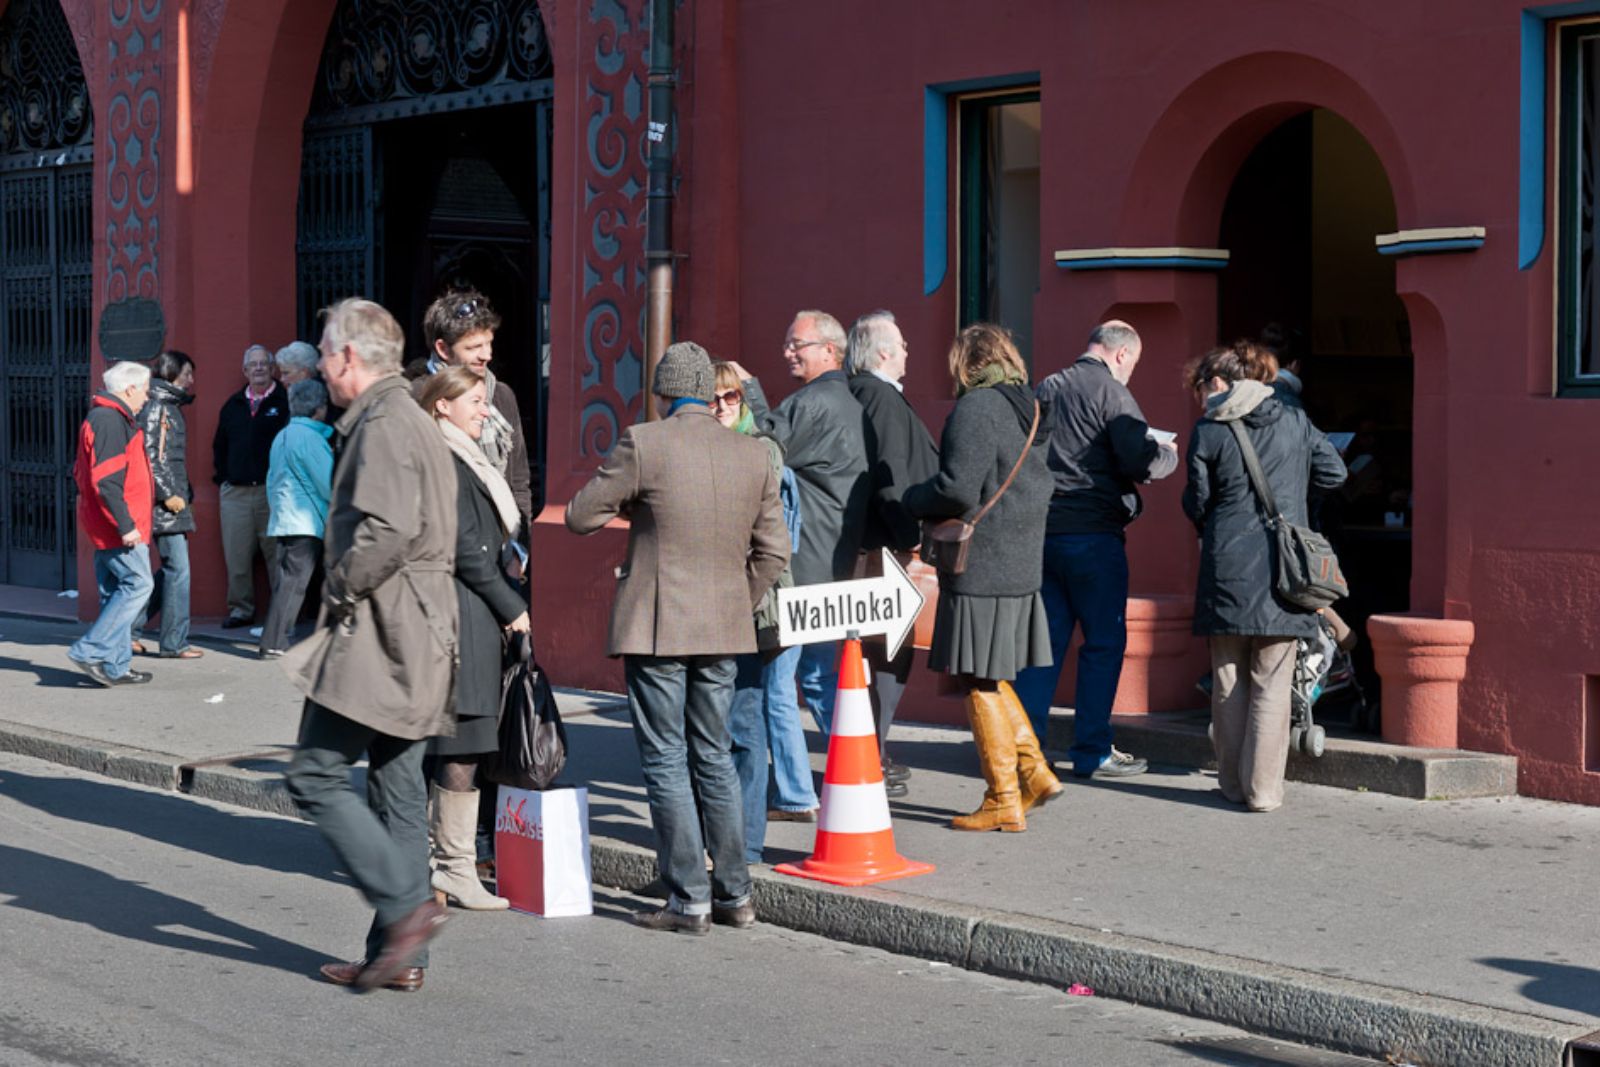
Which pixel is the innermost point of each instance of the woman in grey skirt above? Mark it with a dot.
(990, 621)
(487, 518)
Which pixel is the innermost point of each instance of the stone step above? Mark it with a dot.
(1179, 739)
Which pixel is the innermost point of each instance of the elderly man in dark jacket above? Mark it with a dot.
(246, 425)
(166, 442)
(820, 428)
(378, 671)
(900, 453)
(1100, 449)
(706, 542)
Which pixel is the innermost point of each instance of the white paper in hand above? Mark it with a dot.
(1161, 437)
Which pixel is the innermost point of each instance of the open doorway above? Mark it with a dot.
(1304, 275)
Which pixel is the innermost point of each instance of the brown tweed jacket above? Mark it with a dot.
(706, 541)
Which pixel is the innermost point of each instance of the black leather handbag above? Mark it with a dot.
(533, 743)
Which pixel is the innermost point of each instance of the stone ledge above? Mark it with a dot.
(1179, 739)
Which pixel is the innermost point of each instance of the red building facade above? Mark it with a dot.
(896, 155)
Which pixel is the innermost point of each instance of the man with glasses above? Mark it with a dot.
(900, 453)
(820, 429)
(240, 451)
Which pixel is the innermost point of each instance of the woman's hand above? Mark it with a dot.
(744, 375)
(519, 625)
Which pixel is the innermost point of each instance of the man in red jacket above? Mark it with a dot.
(115, 496)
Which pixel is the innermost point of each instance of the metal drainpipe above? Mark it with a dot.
(658, 252)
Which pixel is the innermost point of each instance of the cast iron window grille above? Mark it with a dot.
(44, 103)
(1578, 148)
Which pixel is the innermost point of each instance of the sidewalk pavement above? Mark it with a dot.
(1434, 932)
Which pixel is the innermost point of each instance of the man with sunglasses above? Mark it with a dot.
(820, 428)
(459, 328)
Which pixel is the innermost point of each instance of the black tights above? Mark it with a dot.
(457, 774)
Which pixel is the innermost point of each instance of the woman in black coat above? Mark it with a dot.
(990, 622)
(487, 518)
(166, 442)
(1252, 631)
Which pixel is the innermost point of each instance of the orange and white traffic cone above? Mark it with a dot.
(855, 839)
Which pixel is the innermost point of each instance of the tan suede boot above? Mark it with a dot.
(454, 829)
(1036, 780)
(997, 756)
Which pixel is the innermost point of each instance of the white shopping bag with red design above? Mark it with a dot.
(541, 851)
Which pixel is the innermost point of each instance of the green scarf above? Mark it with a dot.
(747, 421)
(992, 375)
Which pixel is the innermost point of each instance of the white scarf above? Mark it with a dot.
(468, 452)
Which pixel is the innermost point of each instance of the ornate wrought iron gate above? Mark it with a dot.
(46, 290)
(338, 234)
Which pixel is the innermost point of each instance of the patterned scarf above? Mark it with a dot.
(496, 439)
(465, 448)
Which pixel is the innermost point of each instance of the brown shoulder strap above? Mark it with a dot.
(1026, 445)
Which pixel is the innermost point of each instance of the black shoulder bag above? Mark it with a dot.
(533, 743)
(1307, 571)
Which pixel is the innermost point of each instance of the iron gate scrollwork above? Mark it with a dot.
(46, 290)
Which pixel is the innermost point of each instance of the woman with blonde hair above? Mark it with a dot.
(990, 621)
(487, 518)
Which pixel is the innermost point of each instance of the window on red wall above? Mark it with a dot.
(1578, 152)
(998, 210)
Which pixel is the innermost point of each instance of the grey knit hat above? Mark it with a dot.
(685, 371)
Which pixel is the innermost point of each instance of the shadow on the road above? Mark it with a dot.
(1560, 985)
(82, 894)
(49, 677)
(248, 840)
(1251, 1051)
(1211, 798)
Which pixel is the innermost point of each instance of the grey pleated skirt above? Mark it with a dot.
(990, 637)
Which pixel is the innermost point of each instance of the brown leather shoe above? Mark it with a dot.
(740, 916)
(346, 974)
(401, 940)
(779, 815)
(667, 919)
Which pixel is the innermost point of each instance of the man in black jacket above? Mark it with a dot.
(1099, 447)
(819, 427)
(900, 453)
(240, 451)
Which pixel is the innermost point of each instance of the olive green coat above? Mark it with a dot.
(384, 651)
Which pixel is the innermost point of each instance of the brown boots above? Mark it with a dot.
(1018, 775)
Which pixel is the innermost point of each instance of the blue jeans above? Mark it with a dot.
(766, 717)
(679, 707)
(819, 681)
(123, 575)
(170, 597)
(1085, 584)
(383, 840)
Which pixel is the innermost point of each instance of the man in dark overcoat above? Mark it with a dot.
(379, 670)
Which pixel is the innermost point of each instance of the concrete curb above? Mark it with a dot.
(1279, 1001)
(1179, 739)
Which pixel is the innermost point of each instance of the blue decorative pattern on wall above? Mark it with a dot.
(132, 143)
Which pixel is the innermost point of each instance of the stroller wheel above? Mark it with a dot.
(1297, 736)
(1315, 741)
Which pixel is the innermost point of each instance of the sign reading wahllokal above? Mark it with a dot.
(888, 605)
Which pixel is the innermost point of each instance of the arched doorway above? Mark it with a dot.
(46, 289)
(426, 164)
(1303, 272)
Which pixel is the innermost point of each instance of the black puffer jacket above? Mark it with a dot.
(1234, 594)
(981, 442)
(166, 442)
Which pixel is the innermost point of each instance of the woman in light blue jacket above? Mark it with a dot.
(298, 475)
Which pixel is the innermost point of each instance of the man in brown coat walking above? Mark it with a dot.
(706, 542)
(377, 674)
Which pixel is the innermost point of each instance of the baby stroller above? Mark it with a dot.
(1321, 666)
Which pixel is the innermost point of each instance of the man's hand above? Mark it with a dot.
(174, 504)
(519, 625)
(131, 538)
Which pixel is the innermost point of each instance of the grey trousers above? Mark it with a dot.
(244, 512)
(1251, 678)
(382, 841)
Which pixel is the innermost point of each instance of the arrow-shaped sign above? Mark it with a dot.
(888, 605)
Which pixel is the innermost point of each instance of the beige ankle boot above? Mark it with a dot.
(454, 829)
(997, 756)
(1036, 780)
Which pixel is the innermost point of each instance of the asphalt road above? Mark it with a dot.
(140, 927)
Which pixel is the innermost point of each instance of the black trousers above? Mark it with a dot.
(297, 561)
